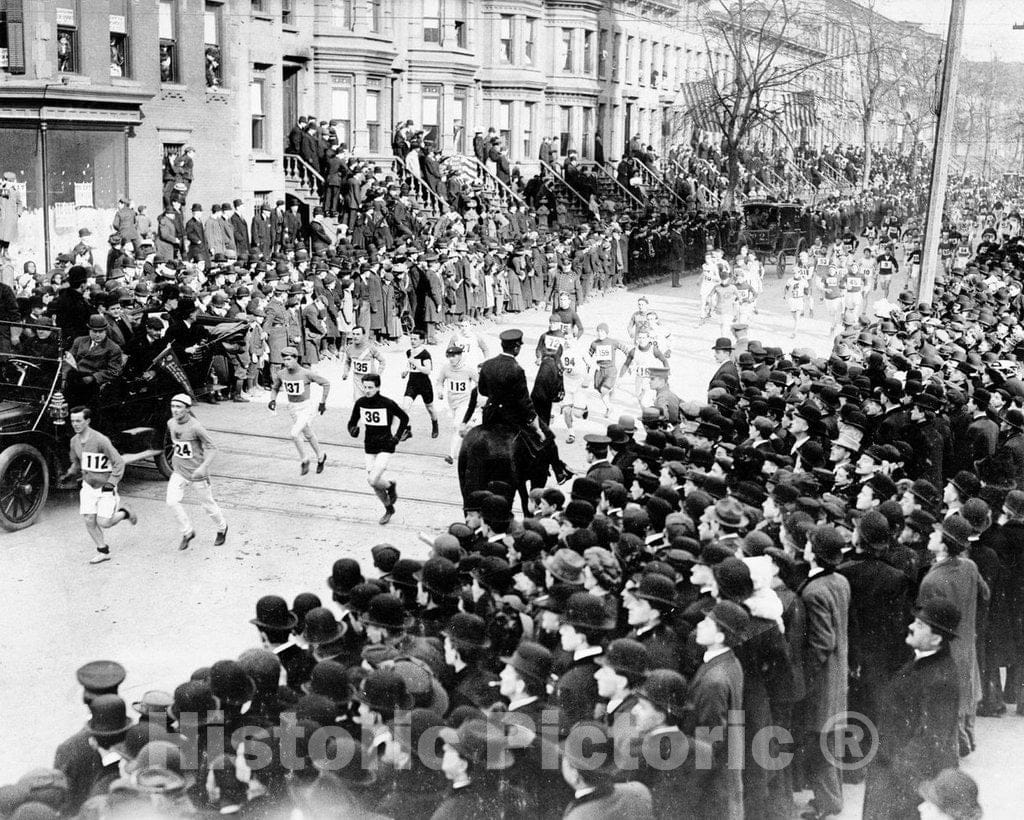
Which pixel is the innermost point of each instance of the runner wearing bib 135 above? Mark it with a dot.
(361, 358)
(295, 380)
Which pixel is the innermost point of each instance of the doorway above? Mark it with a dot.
(289, 97)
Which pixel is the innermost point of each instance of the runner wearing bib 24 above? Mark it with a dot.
(190, 461)
(377, 415)
(295, 380)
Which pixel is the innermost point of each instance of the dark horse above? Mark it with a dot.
(499, 453)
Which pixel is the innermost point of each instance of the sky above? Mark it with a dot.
(988, 24)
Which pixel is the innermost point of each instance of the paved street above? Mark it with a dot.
(163, 613)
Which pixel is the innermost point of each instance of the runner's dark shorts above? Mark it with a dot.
(419, 387)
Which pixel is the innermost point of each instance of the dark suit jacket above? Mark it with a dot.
(727, 368)
(241, 232)
(879, 614)
(503, 382)
(602, 471)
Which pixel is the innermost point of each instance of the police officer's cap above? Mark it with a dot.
(596, 441)
(511, 336)
(101, 677)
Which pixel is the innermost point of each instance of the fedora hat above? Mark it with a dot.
(109, 716)
(729, 512)
(566, 566)
(384, 690)
(941, 614)
(272, 613)
(153, 702)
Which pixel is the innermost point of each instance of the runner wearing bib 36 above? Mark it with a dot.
(193, 454)
(295, 380)
(377, 415)
(101, 468)
(456, 386)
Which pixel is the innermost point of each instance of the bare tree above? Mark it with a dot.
(920, 77)
(774, 47)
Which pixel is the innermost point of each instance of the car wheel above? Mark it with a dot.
(24, 486)
(166, 447)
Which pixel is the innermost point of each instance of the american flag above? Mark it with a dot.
(798, 111)
(698, 99)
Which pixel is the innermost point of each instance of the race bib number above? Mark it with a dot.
(603, 353)
(95, 462)
(457, 386)
(854, 283)
(568, 363)
(294, 388)
(552, 343)
(643, 372)
(375, 417)
(566, 329)
(885, 267)
(183, 449)
(361, 366)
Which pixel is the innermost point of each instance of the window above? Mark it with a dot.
(168, 29)
(529, 127)
(588, 52)
(67, 40)
(588, 132)
(459, 121)
(211, 43)
(120, 59)
(343, 13)
(376, 15)
(460, 24)
(602, 55)
(628, 72)
(616, 53)
(505, 38)
(257, 89)
(564, 129)
(505, 121)
(567, 57)
(642, 63)
(431, 119)
(431, 21)
(286, 12)
(373, 121)
(529, 33)
(12, 38)
(341, 109)
(258, 6)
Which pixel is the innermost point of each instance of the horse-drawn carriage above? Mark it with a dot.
(773, 230)
(34, 412)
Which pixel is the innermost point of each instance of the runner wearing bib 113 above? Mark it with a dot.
(456, 387)
(294, 380)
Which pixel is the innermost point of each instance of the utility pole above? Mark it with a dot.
(941, 153)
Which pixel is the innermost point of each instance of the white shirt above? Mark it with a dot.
(586, 652)
(521, 702)
(924, 653)
(710, 654)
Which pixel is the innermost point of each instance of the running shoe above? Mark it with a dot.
(100, 557)
(304, 467)
(222, 536)
(321, 463)
(388, 512)
(132, 517)
(186, 539)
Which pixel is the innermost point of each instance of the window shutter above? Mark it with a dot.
(15, 36)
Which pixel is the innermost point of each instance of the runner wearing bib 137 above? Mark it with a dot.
(295, 380)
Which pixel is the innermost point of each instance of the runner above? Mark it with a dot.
(295, 380)
(456, 385)
(853, 294)
(795, 292)
(193, 453)
(640, 360)
(602, 353)
(101, 467)
(552, 340)
(575, 363)
(832, 285)
(709, 279)
(377, 414)
(361, 357)
(419, 386)
(885, 267)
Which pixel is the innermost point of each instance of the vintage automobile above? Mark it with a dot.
(35, 433)
(774, 231)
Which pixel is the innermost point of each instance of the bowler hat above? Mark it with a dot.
(329, 679)
(481, 743)
(109, 716)
(405, 573)
(530, 660)
(657, 589)
(957, 530)
(468, 630)
(264, 667)
(586, 611)
(194, 697)
(666, 689)
(321, 626)
(230, 684)
(97, 322)
(940, 614)
(731, 619)
(272, 613)
(388, 612)
(626, 657)
(440, 576)
(722, 343)
(422, 685)
(384, 690)
(345, 574)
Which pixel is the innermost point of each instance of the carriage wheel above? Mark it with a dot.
(24, 486)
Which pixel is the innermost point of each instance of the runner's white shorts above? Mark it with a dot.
(376, 462)
(302, 415)
(177, 484)
(457, 410)
(572, 385)
(93, 501)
